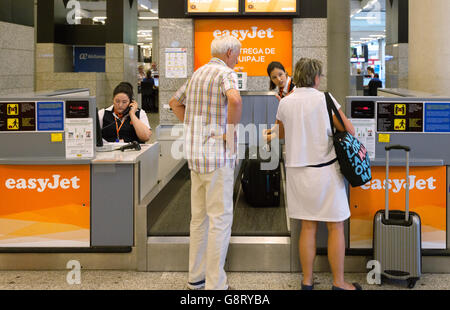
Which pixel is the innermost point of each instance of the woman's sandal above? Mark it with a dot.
(307, 287)
(356, 285)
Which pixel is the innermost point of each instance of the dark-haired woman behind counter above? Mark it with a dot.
(279, 79)
(123, 121)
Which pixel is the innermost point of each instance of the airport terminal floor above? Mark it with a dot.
(131, 280)
(89, 201)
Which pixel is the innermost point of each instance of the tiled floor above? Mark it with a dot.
(131, 280)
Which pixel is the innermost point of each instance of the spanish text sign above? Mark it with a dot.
(17, 116)
(427, 198)
(45, 206)
(437, 117)
(263, 41)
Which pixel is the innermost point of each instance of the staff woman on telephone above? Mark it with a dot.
(123, 121)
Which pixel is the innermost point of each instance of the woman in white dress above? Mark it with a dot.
(315, 186)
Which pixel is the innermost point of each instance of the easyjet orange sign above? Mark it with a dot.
(263, 41)
(427, 198)
(44, 205)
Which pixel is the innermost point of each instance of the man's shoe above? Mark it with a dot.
(200, 285)
(356, 285)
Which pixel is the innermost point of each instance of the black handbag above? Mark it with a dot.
(351, 153)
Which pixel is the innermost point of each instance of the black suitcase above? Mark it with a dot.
(261, 187)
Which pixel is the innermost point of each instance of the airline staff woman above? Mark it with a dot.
(123, 121)
(279, 79)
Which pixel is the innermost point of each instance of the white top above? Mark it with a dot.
(308, 136)
(142, 116)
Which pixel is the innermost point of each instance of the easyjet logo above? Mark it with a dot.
(397, 184)
(42, 184)
(251, 33)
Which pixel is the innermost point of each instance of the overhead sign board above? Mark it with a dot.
(263, 41)
(212, 6)
(270, 6)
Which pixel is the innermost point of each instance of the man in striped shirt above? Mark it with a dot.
(210, 106)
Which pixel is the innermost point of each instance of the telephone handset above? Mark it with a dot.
(127, 110)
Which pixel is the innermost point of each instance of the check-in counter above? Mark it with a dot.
(423, 124)
(60, 196)
(402, 92)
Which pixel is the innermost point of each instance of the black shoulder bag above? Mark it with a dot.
(351, 154)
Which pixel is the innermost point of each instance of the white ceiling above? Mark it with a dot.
(146, 8)
(368, 19)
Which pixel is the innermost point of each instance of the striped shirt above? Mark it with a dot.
(204, 96)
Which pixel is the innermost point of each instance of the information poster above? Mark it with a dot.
(263, 41)
(213, 6)
(79, 138)
(50, 116)
(365, 132)
(176, 63)
(437, 117)
(270, 6)
(400, 116)
(427, 197)
(17, 116)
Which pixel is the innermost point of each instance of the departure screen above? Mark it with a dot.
(400, 116)
(212, 6)
(363, 109)
(270, 6)
(77, 109)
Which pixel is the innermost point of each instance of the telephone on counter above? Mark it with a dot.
(132, 145)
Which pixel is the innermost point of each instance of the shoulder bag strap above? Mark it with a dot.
(331, 106)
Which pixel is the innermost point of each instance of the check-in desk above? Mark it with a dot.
(424, 125)
(402, 92)
(60, 199)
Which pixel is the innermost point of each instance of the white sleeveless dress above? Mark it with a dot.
(314, 194)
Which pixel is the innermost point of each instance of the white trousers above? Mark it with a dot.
(210, 229)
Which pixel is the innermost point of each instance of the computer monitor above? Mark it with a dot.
(98, 129)
(156, 81)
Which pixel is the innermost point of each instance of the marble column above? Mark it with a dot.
(310, 40)
(338, 82)
(429, 46)
(17, 55)
(177, 33)
(397, 46)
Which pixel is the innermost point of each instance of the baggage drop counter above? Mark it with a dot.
(423, 124)
(260, 236)
(62, 200)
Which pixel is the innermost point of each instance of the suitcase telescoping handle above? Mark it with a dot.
(406, 149)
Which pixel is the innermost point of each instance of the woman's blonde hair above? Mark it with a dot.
(306, 70)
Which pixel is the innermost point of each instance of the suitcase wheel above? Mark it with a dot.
(412, 282)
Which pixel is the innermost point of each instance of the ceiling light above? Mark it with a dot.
(154, 11)
(144, 6)
(147, 17)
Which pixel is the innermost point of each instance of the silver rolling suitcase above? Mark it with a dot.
(397, 235)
